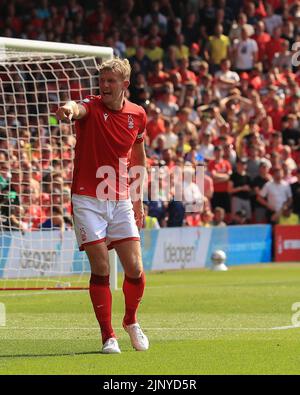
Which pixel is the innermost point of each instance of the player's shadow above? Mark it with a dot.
(71, 354)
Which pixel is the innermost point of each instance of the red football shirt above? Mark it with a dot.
(223, 166)
(104, 138)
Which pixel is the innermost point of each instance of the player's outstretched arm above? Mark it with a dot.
(70, 110)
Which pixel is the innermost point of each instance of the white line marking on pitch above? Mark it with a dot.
(158, 329)
(35, 293)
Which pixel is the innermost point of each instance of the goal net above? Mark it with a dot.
(38, 248)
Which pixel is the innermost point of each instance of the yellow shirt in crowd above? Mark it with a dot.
(218, 48)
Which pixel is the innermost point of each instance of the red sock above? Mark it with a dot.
(102, 301)
(133, 289)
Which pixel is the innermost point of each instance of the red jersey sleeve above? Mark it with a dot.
(87, 103)
(142, 128)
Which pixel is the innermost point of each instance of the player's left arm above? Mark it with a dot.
(138, 161)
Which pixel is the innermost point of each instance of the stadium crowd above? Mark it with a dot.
(219, 81)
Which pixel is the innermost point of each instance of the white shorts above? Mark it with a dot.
(97, 221)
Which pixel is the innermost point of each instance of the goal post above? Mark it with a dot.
(38, 249)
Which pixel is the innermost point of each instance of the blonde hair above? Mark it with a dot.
(117, 65)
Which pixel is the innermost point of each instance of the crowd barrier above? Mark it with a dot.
(50, 253)
(178, 248)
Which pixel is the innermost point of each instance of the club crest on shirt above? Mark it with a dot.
(130, 122)
(105, 116)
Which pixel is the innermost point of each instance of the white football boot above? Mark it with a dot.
(138, 339)
(111, 346)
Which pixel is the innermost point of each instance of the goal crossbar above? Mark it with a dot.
(51, 46)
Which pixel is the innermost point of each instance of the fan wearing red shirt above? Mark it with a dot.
(109, 133)
(274, 45)
(262, 39)
(220, 170)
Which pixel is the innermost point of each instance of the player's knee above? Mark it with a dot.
(98, 259)
(135, 270)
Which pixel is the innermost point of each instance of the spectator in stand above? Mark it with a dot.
(190, 28)
(286, 216)
(157, 78)
(275, 45)
(296, 193)
(56, 220)
(282, 58)
(288, 31)
(15, 220)
(170, 138)
(260, 211)
(219, 215)
(220, 170)
(225, 79)
(236, 29)
(239, 218)
(170, 59)
(195, 58)
(272, 20)
(155, 125)
(239, 188)
(218, 48)
(275, 144)
(253, 162)
(229, 153)
(183, 124)
(153, 51)
(175, 213)
(207, 218)
(207, 16)
(167, 101)
(140, 91)
(286, 157)
(182, 50)
(245, 52)
(288, 175)
(262, 39)
(155, 16)
(186, 74)
(290, 129)
(149, 222)
(274, 194)
(141, 62)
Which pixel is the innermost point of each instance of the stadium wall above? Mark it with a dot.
(50, 253)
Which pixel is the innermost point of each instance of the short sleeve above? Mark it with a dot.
(264, 191)
(142, 128)
(87, 103)
(254, 46)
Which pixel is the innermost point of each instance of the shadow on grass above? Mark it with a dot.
(70, 354)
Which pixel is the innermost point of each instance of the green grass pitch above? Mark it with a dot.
(198, 322)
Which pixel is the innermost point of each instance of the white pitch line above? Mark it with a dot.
(281, 328)
(156, 329)
(35, 293)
